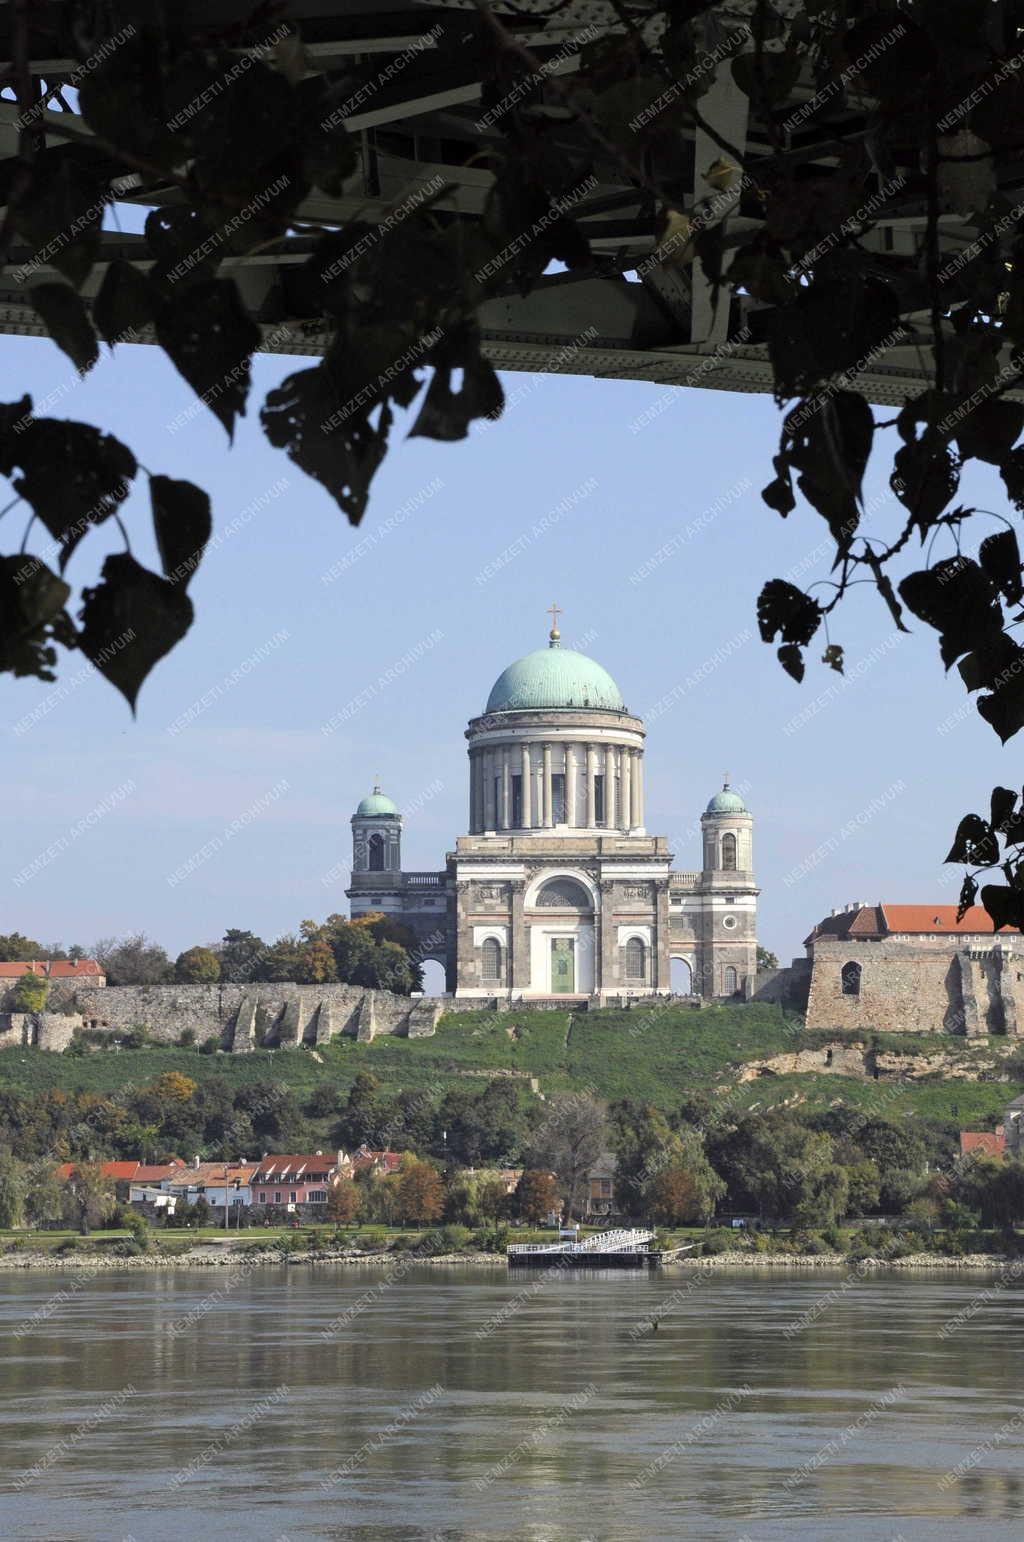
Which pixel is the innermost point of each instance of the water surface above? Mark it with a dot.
(339, 1404)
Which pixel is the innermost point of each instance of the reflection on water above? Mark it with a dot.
(286, 1405)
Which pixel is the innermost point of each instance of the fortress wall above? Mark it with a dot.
(925, 987)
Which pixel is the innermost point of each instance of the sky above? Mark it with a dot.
(323, 657)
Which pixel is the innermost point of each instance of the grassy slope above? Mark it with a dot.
(661, 1056)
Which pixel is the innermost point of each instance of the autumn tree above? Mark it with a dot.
(344, 1200)
(88, 1196)
(420, 1191)
(536, 1195)
(133, 960)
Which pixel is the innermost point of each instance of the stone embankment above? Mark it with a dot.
(860, 1060)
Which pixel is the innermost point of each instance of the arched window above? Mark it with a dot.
(565, 894)
(636, 959)
(851, 979)
(729, 853)
(376, 853)
(731, 978)
(490, 956)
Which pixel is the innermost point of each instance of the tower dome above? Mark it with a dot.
(554, 677)
(377, 805)
(727, 802)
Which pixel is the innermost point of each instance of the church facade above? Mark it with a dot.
(557, 891)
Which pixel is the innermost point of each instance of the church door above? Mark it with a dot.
(563, 966)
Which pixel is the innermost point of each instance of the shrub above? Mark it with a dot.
(810, 1243)
(443, 1239)
(30, 994)
(492, 1239)
(211, 1045)
(722, 1239)
(186, 1038)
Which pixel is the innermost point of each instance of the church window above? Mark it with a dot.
(490, 956)
(565, 894)
(599, 800)
(851, 979)
(729, 853)
(558, 798)
(636, 959)
(731, 981)
(517, 802)
(376, 853)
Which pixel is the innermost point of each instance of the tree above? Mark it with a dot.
(30, 993)
(569, 1142)
(362, 1115)
(686, 1187)
(766, 959)
(12, 1191)
(344, 1201)
(88, 1196)
(43, 1194)
(420, 1191)
(15, 948)
(536, 1195)
(197, 966)
(239, 956)
(133, 960)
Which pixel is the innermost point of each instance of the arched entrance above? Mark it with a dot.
(433, 977)
(681, 977)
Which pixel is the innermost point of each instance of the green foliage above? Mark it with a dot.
(133, 960)
(197, 966)
(29, 994)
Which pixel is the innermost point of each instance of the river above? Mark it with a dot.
(342, 1404)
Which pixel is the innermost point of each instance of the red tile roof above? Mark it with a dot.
(862, 921)
(991, 1142)
(937, 918)
(51, 969)
(116, 1171)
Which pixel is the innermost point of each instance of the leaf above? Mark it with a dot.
(122, 98)
(182, 523)
(839, 322)
(785, 610)
(130, 621)
(446, 414)
(67, 322)
(72, 475)
(1003, 710)
(767, 80)
(968, 895)
(327, 436)
(126, 303)
(1003, 804)
(210, 338)
(792, 660)
(778, 494)
(956, 599)
(1012, 472)
(999, 556)
(924, 479)
(32, 617)
(974, 843)
(990, 430)
(829, 445)
(59, 211)
(833, 657)
(1005, 906)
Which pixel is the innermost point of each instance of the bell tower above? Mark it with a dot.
(377, 835)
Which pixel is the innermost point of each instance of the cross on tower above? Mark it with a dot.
(554, 612)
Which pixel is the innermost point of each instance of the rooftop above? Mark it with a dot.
(555, 677)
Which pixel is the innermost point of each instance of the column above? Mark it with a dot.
(527, 816)
(472, 793)
(661, 966)
(548, 820)
(634, 814)
(626, 812)
(591, 774)
(489, 809)
(518, 940)
(570, 786)
(640, 786)
(609, 787)
(506, 790)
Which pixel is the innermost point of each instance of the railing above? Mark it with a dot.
(425, 880)
(620, 1240)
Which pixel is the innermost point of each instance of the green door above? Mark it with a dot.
(563, 965)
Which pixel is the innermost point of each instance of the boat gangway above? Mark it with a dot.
(621, 1248)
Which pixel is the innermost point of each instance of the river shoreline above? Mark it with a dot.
(224, 1257)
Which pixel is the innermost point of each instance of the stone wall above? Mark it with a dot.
(272, 1014)
(931, 985)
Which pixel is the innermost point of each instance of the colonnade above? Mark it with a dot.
(493, 770)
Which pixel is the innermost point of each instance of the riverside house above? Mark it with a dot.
(298, 1181)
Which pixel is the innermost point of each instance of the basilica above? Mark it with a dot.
(557, 891)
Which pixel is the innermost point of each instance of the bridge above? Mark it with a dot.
(422, 128)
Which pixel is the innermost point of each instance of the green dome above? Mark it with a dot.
(727, 802)
(377, 804)
(555, 677)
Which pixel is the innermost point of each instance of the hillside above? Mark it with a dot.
(663, 1056)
